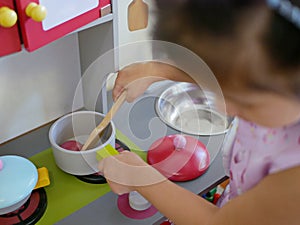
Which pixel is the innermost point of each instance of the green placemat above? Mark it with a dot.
(67, 194)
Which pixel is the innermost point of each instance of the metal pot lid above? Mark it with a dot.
(18, 178)
(179, 157)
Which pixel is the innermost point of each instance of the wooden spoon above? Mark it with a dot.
(97, 132)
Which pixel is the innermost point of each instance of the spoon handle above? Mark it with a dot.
(97, 132)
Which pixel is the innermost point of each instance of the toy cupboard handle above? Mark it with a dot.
(8, 17)
(36, 12)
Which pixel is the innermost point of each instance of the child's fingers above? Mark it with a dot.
(101, 166)
(117, 90)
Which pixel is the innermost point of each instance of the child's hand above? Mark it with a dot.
(135, 78)
(127, 171)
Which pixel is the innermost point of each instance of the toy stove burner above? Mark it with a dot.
(30, 212)
(97, 178)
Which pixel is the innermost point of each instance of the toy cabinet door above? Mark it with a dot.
(62, 17)
(9, 34)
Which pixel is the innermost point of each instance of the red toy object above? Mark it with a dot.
(166, 223)
(216, 198)
(179, 157)
(72, 145)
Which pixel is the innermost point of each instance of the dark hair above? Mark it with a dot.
(214, 16)
(281, 38)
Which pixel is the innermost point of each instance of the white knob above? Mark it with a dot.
(179, 142)
(137, 201)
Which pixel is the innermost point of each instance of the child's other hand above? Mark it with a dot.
(127, 171)
(135, 78)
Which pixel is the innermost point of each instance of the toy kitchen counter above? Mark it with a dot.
(74, 200)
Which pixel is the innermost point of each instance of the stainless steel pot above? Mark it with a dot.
(78, 126)
(187, 108)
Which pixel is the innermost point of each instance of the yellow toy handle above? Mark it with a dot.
(105, 152)
(8, 17)
(36, 12)
(43, 178)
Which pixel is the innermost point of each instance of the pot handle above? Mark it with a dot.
(43, 178)
(105, 152)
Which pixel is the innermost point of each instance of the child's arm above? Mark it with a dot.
(136, 78)
(178, 204)
(274, 201)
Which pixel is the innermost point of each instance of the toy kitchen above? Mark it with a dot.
(61, 57)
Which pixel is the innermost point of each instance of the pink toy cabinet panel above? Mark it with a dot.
(9, 34)
(62, 17)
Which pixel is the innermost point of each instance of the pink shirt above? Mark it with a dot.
(252, 152)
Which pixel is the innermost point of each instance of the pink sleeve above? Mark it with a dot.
(284, 160)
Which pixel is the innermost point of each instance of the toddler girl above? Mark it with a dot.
(253, 49)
